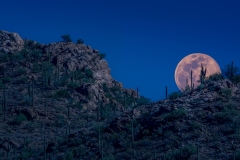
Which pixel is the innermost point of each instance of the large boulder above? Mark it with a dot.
(10, 42)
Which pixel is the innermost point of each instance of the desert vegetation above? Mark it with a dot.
(52, 111)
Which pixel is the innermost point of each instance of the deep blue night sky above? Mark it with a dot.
(143, 40)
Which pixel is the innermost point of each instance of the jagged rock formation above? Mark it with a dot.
(59, 101)
(10, 42)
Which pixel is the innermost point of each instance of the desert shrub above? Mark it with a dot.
(237, 154)
(200, 86)
(109, 157)
(24, 53)
(215, 77)
(226, 92)
(195, 125)
(183, 153)
(20, 71)
(78, 105)
(36, 68)
(175, 95)
(19, 119)
(66, 38)
(36, 55)
(142, 100)
(88, 73)
(102, 55)
(26, 153)
(62, 93)
(31, 45)
(3, 58)
(72, 85)
(228, 113)
(236, 78)
(80, 41)
(63, 81)
(22, 79)
(17, 57)
(6, 79)
(115, 89)
(1, 84)
(69, 156)
(105, 87)
(60, 121)
(176, 114)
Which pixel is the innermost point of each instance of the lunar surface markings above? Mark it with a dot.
(193, 62)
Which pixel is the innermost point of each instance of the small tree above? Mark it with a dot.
(80, 41)
(66, 38)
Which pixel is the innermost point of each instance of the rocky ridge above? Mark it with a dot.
(68, 117)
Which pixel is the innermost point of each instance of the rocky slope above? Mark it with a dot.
(59, 101)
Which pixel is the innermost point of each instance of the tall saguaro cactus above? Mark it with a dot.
(203, 74)
(166, 91)
(99, 134)
(30, 92)
(4, 102)
(44, 143)
(232, 71)
(192, 84)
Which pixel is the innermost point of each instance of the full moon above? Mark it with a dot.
(193, 62)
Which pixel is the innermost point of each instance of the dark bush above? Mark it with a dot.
(19, 119)
(80, 41)
(88, 73)
(215, 77)
(142, 100)
(176, 114)
(175, 95)
(3, 58)
(102, 55)
(62, 93)
(66, 38)
(72, 85)
(6, 79)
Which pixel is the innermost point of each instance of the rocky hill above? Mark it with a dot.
(59, 101)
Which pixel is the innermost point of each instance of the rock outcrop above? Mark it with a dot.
(10, 42)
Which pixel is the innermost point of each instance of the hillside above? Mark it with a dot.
(59, 101)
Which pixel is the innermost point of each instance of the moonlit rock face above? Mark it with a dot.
(193, 62)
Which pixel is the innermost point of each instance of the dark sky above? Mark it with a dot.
(143, 40)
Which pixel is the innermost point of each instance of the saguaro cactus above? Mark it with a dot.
(187, 86)
(30, 92)
(166, 91)
(99, 134)
(68, 106)
(4, 102)
(192, 84)
(203, 74)
(232, 71)
(44, 142)
(198, 156)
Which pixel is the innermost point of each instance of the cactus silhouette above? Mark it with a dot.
(198, 156)
(232, 74)
(166, 91)
(4, 102)
(8, 147)
(99, 134)
(30, 92)
(203, 74)
(68, 106)
(192, 84)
